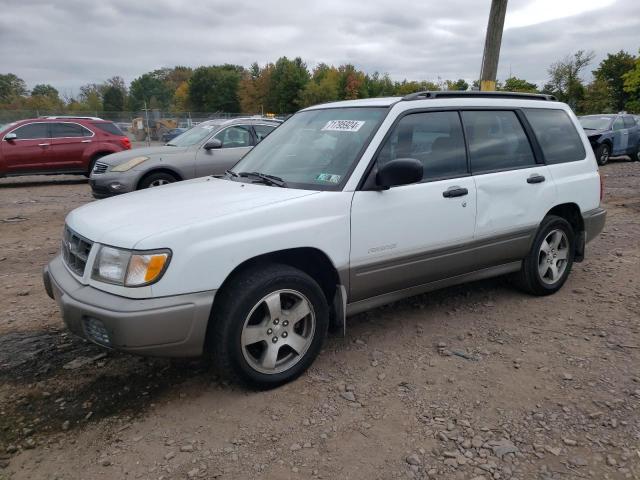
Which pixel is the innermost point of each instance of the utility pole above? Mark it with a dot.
(492, 45)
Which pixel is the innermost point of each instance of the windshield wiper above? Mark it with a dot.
(265, 178)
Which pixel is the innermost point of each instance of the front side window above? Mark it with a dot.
(66, 130)
(556, 135)
(315, 149)
(496, 141)
(434, 138)
(194, 135)
(263, 130)
(32, 131)
(618, 123)
(235, 137)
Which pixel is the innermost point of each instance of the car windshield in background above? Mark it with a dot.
(315, 149)
(595, 122)
(193, 135)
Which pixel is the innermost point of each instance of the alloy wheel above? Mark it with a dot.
(553, 256)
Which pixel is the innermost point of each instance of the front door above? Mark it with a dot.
(30, 151)
(620, 137)
(415, 234)
(236, 140)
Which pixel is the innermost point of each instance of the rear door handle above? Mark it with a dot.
(86, 141)
(535, 178)
(455, 192)
(44, 144)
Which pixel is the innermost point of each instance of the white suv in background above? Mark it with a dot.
(345, 207)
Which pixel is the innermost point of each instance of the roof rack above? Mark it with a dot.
(56, 117)
(475, 94)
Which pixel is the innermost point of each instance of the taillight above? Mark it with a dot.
(126, 143)
(601, 187)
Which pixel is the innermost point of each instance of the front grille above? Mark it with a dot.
(75, 251)
(99, 168)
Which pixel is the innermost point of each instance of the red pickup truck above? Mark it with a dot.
(57, 145)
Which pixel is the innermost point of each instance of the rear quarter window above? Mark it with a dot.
(109, 128)
(556, 134)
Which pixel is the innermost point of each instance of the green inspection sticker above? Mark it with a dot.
(328, 177)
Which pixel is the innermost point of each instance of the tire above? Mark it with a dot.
(544, 271)
(93, 162)
(259, 333)
(603, 153)
(156, 179)
(635, 157)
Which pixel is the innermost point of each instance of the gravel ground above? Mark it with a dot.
(473, 382)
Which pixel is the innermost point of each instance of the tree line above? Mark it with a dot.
(288, 85)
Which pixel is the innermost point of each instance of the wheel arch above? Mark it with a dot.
(571, 213)
(168, 170)
(313, 261)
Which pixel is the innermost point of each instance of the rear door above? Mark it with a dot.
(30, 151)
(514, 189)
(620, 137)
(69, 141)
(236, 140)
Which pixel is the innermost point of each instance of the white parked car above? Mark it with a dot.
(345, 207)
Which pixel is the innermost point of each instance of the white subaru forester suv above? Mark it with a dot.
(345, 207)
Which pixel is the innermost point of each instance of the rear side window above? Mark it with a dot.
(434, 138)
(263, 130)
(556, 135)
(629, 122)
(69, 130)
(109, 128)
(32, 131)
(496, 141)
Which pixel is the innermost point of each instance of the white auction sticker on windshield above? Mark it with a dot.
(343, 125)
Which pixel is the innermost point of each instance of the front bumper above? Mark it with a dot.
(104, 184)
(173, 326)
(594, 221)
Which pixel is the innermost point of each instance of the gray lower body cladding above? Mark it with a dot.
(165, 326)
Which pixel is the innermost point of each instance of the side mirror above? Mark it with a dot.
(401, 171)
(10, 136)
(213, 143)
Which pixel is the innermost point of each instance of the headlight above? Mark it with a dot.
(129, 164)
(130, 268)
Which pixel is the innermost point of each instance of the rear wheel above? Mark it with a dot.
(603, 153)
(156, 180)
(268, 326)
(636, 156)
(549, 262)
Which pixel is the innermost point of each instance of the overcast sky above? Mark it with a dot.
(68, 43)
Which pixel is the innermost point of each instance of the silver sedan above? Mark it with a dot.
(209, 148)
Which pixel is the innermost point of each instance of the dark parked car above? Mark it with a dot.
(173, 133)
(612, 135)
(57, 145)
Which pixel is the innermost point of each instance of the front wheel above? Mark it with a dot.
(268, 325)
(157, 180)
(550, 259)
(603, 153)
(635, 157)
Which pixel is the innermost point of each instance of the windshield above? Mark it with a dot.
(193, 135)
(595, 122)
(315, 149)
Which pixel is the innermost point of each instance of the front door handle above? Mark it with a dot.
(44, 144)
(535, 178)
(455, 192)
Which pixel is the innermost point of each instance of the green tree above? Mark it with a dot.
(564, 78)
(612, 70)
(597, 98)
(44, 90)
(323, 87)
(460, 84)
(11, 87)
(288, 80)
(379, 85)
(150, 88)
(515, 84)
(91, 96)
(215, 88)
(113, 99)
(632, 87)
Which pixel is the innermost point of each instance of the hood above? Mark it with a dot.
(595, 133)
(161, 151)
(125, 220)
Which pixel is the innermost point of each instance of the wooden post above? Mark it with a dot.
(492, 45)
